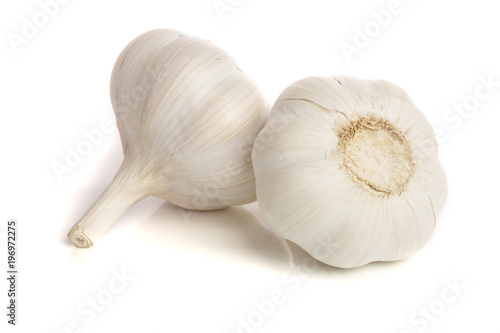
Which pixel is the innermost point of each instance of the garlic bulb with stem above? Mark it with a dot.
(348, 169)
(187, 117)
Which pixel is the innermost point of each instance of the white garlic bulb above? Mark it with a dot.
(348, 169)
(187, 117)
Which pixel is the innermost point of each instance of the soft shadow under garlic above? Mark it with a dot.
(236, 234)
(231, 234)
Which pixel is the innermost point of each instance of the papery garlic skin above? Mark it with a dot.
(187, 117)
(348, 169)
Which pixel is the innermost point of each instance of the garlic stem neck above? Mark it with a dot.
(127, 188)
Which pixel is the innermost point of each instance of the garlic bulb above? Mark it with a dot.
(187, 117)
(348, 169)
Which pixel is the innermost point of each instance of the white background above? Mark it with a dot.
(219, 271)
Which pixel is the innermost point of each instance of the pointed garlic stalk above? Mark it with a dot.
(348, 169)
(187, 117)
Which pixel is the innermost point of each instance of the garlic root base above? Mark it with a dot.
(78, 238)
